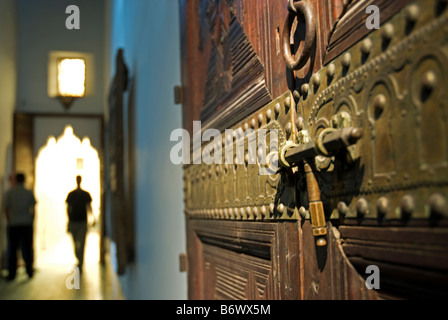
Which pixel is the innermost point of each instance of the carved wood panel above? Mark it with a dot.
(234, 63)
(350, 28)
(235, 260)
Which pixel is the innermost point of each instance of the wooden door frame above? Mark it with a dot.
(31, 116)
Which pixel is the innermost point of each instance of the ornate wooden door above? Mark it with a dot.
(361, 134)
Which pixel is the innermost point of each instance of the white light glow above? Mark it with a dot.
(71, 77)
(57, 166)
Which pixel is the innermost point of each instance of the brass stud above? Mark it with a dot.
(226, 213)
(256, 212)
(288, 102)
(331, 70)
(296, 95)
(366, 46)
(246, 126)
(316, 80)
(305, 88)
(362, 207)
(277, 108)
(249, 212)
(268, 115)
(346, 60)
(288, 128)
(299, 123)
(438, 205)
(429, 80)
(379, 103)
(321, 242)
(302, 212)
(387, 32)
(253, 123)
(342, 208)
(412, 13)
(407, 205)
(382, 205)
(281, 208)
(242, 213)
(260, 118)
(271, 208)
(263, 211)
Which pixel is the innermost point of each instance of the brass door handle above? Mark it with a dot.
(328, 141)
(316, 207)
(295, 9)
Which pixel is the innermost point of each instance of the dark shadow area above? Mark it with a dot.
(345, 70)
(425, 94)
(441, 6)
(322, 254)
(409, 26)
(385, 44)
(364, 57)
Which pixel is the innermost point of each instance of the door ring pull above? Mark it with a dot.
(283, 161)
(320, 148)
(295, 9)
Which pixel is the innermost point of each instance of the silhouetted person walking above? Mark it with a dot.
(78, 205)
(19, 208)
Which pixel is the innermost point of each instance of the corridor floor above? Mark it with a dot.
(54, 276)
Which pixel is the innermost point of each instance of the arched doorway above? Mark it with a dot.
(57, 165)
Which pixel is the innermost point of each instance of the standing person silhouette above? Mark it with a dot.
(19, 208)
(78, 206)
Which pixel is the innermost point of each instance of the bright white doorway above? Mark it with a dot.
(57, 165)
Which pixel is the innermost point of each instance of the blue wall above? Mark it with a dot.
(41, 30)
(148, 31)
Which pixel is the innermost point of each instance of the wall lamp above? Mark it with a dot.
(71, 80)
(70, 76)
